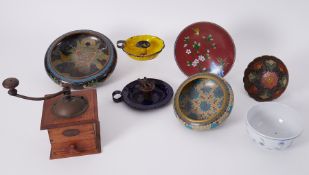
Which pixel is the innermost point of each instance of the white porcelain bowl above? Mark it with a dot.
(273, 125)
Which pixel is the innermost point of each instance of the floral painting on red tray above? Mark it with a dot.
(204, 47)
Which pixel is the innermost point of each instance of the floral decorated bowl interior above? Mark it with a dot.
(203, 99)
(204, 47)
(81, 58)
(273, 125)
(142, 47)
(266, 78)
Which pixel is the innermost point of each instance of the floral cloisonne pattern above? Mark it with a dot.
(81, 58)
(204, 47)
(200, 101)
(266, 78)
(203, 101)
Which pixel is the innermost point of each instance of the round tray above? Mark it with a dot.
(81, 58)
(204, 47)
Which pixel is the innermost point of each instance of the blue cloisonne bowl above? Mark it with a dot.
(203, 101)
(81, 58)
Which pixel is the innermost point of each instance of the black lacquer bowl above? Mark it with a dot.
(145, 94)
(81, 58)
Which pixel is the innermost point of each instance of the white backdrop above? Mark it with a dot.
(153, 142)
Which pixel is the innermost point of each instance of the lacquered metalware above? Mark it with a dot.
(81, 58)
(266, 78)
(204, 47)
(145, 94)
(203, 101)
(142, 47)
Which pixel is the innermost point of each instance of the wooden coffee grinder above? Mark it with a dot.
(71, 119)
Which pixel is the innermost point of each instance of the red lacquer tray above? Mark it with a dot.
(204, 47)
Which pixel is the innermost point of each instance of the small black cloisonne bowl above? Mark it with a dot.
(81, 58)
(266, 78)
(145, 94)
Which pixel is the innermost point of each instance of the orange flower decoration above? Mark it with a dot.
(269, 80)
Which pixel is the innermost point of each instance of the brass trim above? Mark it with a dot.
(204, 75)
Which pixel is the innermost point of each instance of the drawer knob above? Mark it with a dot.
(73, 148)
(71, 132)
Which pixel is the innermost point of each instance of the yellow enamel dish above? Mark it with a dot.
(142, 47)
